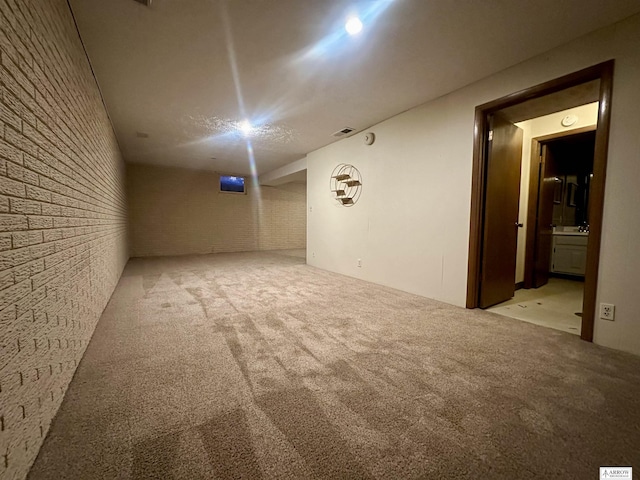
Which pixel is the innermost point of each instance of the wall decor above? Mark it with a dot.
(346, 184)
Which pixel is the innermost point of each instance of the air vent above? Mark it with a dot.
(343, 132)
(144, 2)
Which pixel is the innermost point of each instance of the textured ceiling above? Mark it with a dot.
(185, 72)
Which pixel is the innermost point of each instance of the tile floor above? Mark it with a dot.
(553, 305)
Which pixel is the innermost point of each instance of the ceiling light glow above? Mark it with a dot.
(245, 127)
(353, 26)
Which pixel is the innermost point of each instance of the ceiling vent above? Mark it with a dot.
(344, 131)
(145, 2)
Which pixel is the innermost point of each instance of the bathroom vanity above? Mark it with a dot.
(569, 255)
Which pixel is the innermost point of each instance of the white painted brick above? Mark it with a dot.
(17, 172)
(36, 193)
(9, 152)
(20, 141)
(27, 207)
(6, 279)
(24, 306)
(39, 222)
(24, 239)
(5, 241)
(36, 165)
(10, 223)
(4, 204)
(59, 167)
(178, 211)
(12, 187)
(8, 116)
(13, 294)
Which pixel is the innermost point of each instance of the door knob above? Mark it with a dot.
(519, 225)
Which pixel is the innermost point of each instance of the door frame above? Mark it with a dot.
(604, 73)
(534, 197)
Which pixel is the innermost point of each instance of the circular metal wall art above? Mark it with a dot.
(346, 184)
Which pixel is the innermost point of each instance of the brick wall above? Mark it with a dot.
(62, 219)
(175, 211)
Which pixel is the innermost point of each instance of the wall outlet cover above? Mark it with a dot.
(607, 311)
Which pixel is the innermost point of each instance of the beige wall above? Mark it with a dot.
(175, 211)
(411, 224)
(62, 219)
(587, 115)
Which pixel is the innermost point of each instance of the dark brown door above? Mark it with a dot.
(549, 185)
(500, 230)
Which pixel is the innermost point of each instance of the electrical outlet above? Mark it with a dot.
(607, 311)
(313, 254)
(359, 262)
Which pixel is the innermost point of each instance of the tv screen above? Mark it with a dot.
(229, 183)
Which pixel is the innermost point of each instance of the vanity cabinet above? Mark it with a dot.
(569, 254)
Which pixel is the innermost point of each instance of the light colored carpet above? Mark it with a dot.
(259, 366)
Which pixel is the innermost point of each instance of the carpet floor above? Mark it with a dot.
(257, 366)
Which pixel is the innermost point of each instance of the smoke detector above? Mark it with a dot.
(145, 2)
(344, 131)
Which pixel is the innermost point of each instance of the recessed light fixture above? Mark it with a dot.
(353, 26)
(245, 127)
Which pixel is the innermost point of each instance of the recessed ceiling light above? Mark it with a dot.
(245, 127)
(353, 26)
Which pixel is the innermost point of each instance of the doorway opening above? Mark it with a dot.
(553, 238)
(496, 214)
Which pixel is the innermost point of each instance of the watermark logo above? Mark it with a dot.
(611, 473)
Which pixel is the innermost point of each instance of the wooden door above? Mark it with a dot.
(500, 222)
(547, 192)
